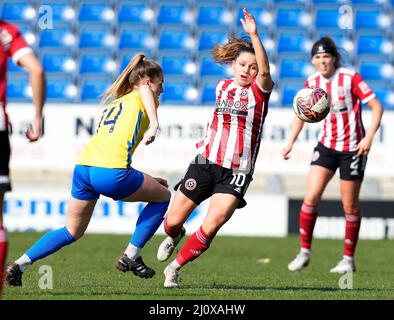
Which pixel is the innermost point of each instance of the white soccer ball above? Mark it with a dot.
(311, 104)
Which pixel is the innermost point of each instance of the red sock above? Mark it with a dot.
(173, 232)
(353, 222)
(308, 216)
(197, 243)
(3, 254)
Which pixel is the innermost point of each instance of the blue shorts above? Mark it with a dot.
(90, 182)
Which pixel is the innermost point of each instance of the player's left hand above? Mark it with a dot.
(163, 182)
(149, 136)
(364, 146)
(33, 133)
(249, 23)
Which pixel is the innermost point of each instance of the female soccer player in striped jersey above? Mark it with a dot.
(224, 165)
(343, 143)
(104, 167)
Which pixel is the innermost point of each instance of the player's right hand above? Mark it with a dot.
(286, 152)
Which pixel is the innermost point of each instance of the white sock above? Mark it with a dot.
(132, 252)
(349, 258)
(307, 251)
(23, 262)
(175, 265)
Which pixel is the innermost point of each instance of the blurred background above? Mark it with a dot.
(84, 45)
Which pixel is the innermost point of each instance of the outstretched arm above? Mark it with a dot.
(37, 82)
(264, 75)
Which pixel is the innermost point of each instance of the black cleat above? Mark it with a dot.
(137, 266)
(13, 275)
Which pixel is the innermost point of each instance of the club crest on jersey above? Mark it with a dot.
(190, 184)
(315, 155)
(244, 93)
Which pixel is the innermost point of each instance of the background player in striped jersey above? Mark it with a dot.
(343, 143)
(104, 167)
(12, 45)
(226, 156)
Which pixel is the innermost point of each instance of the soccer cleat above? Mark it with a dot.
(300, 262)
(167, 247)
(171, 277)
(137, 266)
(13, 275)
(343, 266)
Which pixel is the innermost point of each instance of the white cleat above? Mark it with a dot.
(345, 265)
(300, 262)
(171, 277)
(168, 246)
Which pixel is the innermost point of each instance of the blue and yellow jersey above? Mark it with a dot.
(121, 129)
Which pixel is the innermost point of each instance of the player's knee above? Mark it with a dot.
(312, 200)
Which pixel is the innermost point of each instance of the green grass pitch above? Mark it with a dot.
(232, 268)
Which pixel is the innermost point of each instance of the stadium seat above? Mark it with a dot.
(288, 92)
(101, 63)
(18, 11)
(58, 63)
(62, 13)
(172, 38)
(208, 38)
(178, 92)
(295, 68)
(13, 68)
(95, 12)
(175, 14)
(57, 38)
(208, 68)
(178, 65)
(371, 19)
(138, 38)
(93, 38)
(92, 89)
(61, 90)
(293, 43)
(135, 12)
(292, 18)
(128, 55)
(214, 15)
(327, 18)
(207, 92)
(248, 3)
(373, 44)
(263, 16)
(18, 89)
(379, 70)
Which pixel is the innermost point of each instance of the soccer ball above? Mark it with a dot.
(311, 104)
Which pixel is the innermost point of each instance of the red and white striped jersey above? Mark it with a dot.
(12, 45)
(343, 127)
(233, 135)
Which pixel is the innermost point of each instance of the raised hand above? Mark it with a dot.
(249, 23)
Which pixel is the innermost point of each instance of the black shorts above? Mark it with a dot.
(5, 183)
(351, 166)
(204, 178)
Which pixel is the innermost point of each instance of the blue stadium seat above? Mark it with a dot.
(384, 94)
(92, 38)
(293, 43)
(62, 13)
(135, 12)
(58, 63)
(299, 67)
(100, 63)
(178, 92)
(208, 38)
(214, 15)
(13, 68)
(379, 70)
(207, 92)
(178, 65)
(18, 89)
(373, 44)
(175, 14)
(287, 92)
(371, 19)
(248, 3)
(18, 11)
(61, 90)
(327, 18)
(263, 16)
(95, 12)
(92, 89)
(208, 68)
(292, 18)
(172, 38)
(136, 38)
(127, 56)
(57, 38)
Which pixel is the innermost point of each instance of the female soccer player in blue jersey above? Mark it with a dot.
(104, 167)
